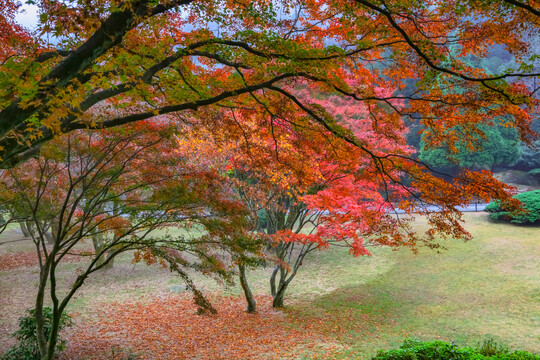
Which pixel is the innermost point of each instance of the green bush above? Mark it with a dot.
(440, 350)
(434, 350)
(27, 348)
(516, 355)
(491, 347)
(531, 204)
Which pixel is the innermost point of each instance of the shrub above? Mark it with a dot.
(27, 348)
(490, 347)
(434, 350)
(531, 204)
(516, 355)
(440, 350)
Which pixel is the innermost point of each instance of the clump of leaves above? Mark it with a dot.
(27, 347)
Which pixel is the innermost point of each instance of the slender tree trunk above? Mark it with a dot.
(273, 289)
(53, 336)
(278, 290)
(278, 299)
(54, 229)
(38, 314)
(252, 304)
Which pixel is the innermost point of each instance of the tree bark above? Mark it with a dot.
(110, 260)
(38, 314)
(53, 336)
(97, 241)
(278, 290)
(278, 299)
(24, 229)
(30, 226)
(50, 237)
(252, 304)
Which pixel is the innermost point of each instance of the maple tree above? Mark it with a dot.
(118, 187)
(205, 62)
(304, 184)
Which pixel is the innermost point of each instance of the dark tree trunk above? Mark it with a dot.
(38, 314)
(53, 338)
(278, 290)
(278, 299)
(252, 304)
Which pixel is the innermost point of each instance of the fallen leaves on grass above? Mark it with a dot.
(13, 261)
(9, 261)
(169, 328)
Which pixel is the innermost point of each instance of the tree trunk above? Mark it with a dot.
(38, 314)
(110, 255)
(110, 260)
(278, 299)
(97, 241)
(53, 336)
(54, 229)
(252, 304)
(278, 290)
(50, 238)
(24, 229)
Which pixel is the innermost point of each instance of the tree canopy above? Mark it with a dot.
(245, 68)
(138, 59)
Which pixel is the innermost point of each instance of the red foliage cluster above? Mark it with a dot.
(13, 36)
(169, 328)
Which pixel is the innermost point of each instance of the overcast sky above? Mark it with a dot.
(28, 16)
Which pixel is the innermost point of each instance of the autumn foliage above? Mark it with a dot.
(294, 108)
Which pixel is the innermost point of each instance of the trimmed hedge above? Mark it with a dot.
(531, 203)
(440, 350)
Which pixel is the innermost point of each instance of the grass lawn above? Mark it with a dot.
(344, 307)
